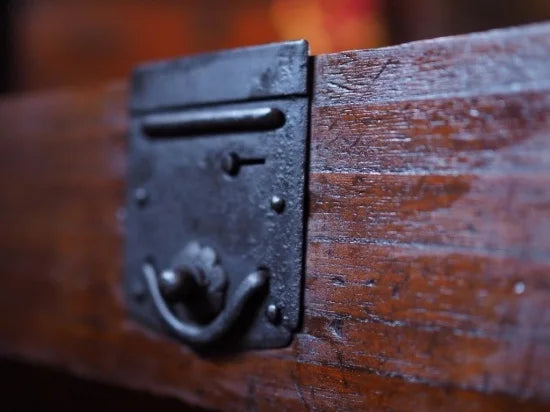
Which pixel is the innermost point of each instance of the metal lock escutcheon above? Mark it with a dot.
(215, 203)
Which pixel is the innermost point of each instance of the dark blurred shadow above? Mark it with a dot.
(6, 52)
(424, 19)
(32, 388)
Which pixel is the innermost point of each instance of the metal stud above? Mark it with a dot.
(141, 196)
(273, 313)
(277, 204)
(137, 289)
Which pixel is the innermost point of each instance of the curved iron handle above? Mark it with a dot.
(202, 335)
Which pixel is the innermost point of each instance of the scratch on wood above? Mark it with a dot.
(381, 70)
(342, 367)
(298, 388)
(251, 395)
(338, 85)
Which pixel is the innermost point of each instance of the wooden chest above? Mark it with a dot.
(427, 274)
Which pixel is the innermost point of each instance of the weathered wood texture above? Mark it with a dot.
(428, 267)
(430, 210)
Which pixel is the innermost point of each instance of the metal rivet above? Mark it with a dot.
(273, 313)
(519, 288)
(172, 282)
(231, 164)
(277, 204)
(141, 196)
(138, 291)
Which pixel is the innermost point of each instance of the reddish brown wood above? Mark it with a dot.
(430, 206)
(427, 279)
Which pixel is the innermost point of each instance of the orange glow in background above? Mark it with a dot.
(66, 43)
(59, 43)
(329, 25)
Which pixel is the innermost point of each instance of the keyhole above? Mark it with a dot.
(232, 163)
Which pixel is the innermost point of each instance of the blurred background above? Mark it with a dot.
(57, 43)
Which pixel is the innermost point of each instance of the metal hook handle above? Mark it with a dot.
(202, 335)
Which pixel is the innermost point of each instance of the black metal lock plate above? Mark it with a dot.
(217, 181)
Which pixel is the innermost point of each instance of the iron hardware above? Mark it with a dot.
(212, 121)
(204, 335)
(215, 210)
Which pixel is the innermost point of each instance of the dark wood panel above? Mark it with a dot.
(508, 60)
(429, 231)
(427, 278)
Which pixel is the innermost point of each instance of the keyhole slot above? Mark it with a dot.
(252, 161)
(232, 163)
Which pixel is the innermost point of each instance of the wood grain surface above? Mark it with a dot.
(428, 261)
